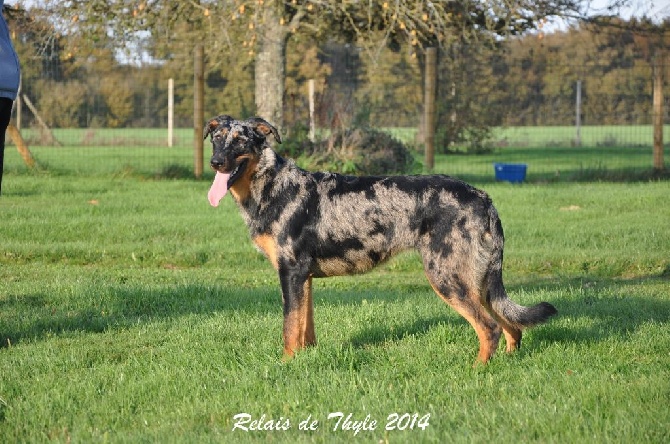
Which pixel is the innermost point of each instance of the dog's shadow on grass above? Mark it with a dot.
(594, 310)
(379, 334)
(588, 311)
(93, 310)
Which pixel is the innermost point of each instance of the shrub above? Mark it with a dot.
(360, 151)
(471, 139)
(296, 143)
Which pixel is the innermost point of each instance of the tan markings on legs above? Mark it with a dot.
(487, 329)
(512, 333)
(512, 338)
(299, 324)
(291, 333)
(485, 326)
(268, 245)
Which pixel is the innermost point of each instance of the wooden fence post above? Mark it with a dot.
(21, 145)
(198, 109)
(19, 106)
(47, 134)
(430, 90)
(312, 123)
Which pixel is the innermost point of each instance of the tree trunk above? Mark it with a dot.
(270, 66)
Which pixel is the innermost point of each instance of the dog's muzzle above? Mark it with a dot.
(217, 165)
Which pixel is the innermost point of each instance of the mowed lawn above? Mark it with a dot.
(132, 311)
(609, 153)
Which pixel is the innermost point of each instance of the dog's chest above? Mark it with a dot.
(277, 200)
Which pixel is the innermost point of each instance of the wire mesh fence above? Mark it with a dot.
(582, 117)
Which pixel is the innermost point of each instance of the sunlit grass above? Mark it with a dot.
(132, 311)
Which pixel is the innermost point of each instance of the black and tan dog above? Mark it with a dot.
(324, 224)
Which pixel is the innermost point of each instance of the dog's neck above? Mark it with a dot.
(267, 166)
(268, 176)
(269, 160)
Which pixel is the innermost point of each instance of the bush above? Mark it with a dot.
(360, 151)
(296, 143)
(453, 138)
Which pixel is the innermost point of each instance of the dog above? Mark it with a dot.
(313, 225)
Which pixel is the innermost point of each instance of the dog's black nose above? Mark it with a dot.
(216, 164)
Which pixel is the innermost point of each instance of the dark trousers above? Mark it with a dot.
(5, 115)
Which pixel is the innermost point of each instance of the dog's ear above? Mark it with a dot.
(263, 127)
(209, 127)
(214, 123)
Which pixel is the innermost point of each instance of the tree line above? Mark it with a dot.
(524, 79)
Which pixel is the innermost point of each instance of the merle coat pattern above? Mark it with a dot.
(324, 224)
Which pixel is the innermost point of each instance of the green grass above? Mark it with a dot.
(132, 311)
(524, 137)
(111, 137)
(561, 136)
(591, 135)
(537, 136)
(616, 153)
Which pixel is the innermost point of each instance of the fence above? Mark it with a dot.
(527, 103)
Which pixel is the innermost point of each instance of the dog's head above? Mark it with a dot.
(235, 145)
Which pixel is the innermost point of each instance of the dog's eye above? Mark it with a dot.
(240, 139)
(221, 134)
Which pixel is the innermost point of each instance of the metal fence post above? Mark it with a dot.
(578, 114)
(657, 113)
(170, 122)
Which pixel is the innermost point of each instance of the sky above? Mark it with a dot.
(657, 9)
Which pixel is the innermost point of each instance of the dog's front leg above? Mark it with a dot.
(298, 310)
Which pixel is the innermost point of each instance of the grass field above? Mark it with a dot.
(538, 136)
(610, 153)
(131, 311)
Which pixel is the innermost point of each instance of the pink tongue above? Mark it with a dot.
(219, 189)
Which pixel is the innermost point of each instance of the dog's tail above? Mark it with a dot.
(497, 300)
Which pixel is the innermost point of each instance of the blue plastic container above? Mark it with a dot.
(510, 172)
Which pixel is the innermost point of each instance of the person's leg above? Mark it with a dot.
(5, 115)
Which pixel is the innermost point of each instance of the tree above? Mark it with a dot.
(229, 29)
(391, 99)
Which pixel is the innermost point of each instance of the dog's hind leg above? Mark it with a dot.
(466, 303)
(512, 317)
(512, 333)
(463, 296)
(298, 312)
